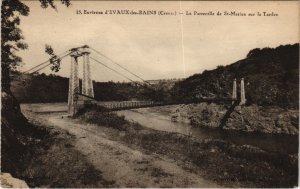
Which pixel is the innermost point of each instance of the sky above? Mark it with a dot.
(156, 46)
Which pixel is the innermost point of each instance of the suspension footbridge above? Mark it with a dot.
(80, 96)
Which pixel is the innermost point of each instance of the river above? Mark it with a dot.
(161, 121)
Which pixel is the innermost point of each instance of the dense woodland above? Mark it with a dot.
(271, 78)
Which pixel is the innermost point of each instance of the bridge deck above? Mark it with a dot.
(125, 105)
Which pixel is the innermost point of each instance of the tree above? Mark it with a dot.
(14, 126)
(12, 39)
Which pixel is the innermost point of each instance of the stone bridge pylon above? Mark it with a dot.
(87, 83)
(242, 91)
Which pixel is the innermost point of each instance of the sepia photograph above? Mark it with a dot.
(149, 94)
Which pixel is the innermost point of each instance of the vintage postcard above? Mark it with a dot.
(149, 94)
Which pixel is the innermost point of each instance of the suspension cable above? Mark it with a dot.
(97, 61)
(119, 65)
(97, 69)
(49, 64)
(119, 74)
(42, 63)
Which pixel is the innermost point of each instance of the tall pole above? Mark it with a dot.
(243, 96)
(234, 94)
(90, 87)
(86, 72)
(84, 77)
(75, 76)
(73, 83)
(70, 95)
(87, 83)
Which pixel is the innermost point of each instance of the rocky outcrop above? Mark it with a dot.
(245, 118)
(267, 120)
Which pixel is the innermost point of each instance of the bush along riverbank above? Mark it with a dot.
(227, 164)
(270, 119)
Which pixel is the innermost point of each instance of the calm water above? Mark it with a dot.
(268, 142)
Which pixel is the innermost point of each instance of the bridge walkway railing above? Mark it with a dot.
(129, 105)
(114, 106)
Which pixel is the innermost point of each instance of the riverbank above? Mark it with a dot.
(220, 161)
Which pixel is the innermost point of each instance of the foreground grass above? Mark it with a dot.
(217, 160)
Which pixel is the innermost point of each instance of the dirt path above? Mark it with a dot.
(124, 166)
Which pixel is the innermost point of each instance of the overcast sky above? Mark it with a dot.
(157, 47)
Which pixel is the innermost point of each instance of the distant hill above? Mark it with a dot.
(29, 88)
(41, 88)
(271, 78)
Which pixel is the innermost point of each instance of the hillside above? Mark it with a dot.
(271, 78)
